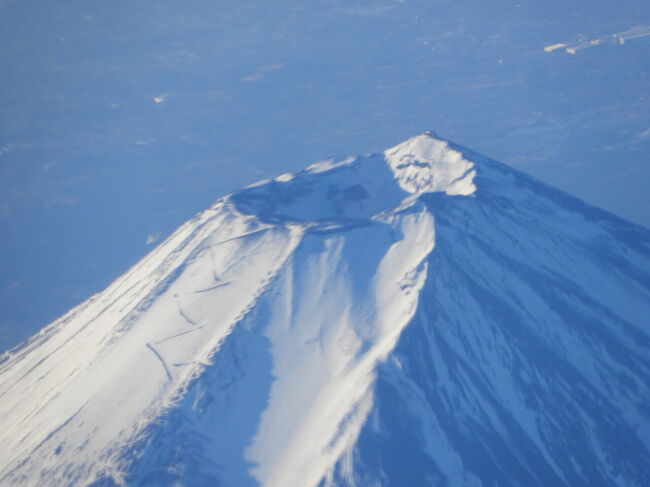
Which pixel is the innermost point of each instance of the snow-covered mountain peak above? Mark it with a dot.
(425, 164)
(361, 187)
(341, 327)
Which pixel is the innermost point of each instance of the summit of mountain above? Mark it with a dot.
(422, 316)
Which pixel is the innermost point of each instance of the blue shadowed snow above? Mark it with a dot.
(424, 317)
(531, 377)
(182, 447)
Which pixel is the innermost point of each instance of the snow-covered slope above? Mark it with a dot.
(425, 316)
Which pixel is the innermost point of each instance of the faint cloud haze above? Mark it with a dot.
(61, 200)
(151, 238)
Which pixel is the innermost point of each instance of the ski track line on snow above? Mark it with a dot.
(162, 361)
(243, 235)
(212, 287)
(182, 313)
(178, 335)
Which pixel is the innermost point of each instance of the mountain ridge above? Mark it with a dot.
(265, 341)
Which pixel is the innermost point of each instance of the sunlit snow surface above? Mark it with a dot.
(425, 316)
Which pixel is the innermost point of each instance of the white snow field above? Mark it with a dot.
(426, 316)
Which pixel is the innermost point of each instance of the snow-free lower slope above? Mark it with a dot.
(420, 317)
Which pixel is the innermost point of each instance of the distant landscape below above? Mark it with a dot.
(121, 120)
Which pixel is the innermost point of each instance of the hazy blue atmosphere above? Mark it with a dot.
(120, 120)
